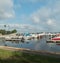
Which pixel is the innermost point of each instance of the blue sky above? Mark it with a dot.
(30, 15)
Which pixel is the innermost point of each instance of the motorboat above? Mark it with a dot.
(54, 40)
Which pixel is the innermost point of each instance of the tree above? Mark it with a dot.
(14, 31)
(5, 26)
(2, 31)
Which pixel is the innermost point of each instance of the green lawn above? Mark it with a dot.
(19, 57)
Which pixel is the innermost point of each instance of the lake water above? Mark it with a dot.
(33, 45)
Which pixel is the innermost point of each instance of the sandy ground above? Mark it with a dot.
(46, 53)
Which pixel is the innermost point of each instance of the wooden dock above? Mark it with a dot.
(13, 39)
(16, 39)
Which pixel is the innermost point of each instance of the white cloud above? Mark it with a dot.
(41, 14)
(6, 9)
(48, 16)
(20, 27)
(51, 22)
(35, 18)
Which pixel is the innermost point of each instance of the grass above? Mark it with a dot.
(19, 57)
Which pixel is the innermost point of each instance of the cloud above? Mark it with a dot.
(6, 9)
(20, 27)
(48, 16)
(45, 18)
(51, 22)
(35, 18)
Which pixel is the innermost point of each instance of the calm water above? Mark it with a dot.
(33, 44)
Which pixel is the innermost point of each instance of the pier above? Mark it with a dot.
(13, 39)
(50, 41)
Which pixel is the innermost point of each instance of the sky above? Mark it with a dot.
(30, 15)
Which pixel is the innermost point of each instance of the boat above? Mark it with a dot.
(54, 40)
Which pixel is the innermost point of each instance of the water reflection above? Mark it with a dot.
(33, 44)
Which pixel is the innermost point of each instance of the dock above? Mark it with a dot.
(12, 39)
(53, 41)
(15, 39)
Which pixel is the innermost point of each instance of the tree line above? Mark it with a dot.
(4, 32)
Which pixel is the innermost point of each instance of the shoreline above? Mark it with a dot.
(39, 52)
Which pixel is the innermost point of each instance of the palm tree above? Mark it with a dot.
(5, 26)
